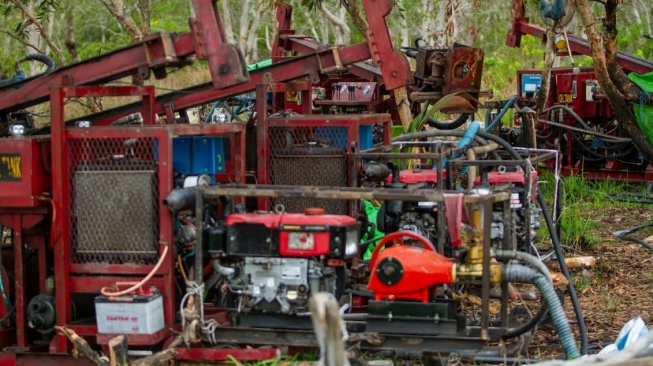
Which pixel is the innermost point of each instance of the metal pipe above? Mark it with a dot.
(224, 271)
(181, 199)
(199, 258)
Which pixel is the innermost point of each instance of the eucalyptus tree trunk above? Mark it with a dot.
(27, 8)
(227, 24)
(341, 29)
(118, 10)
(611, 83)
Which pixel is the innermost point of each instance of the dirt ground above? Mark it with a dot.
(616, 290)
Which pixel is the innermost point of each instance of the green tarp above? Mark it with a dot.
(643, 112)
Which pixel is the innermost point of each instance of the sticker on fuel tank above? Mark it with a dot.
(10, 168)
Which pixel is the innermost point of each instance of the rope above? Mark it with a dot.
(207, 327)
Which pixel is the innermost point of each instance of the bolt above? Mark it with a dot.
(394, 73)
(389, 271)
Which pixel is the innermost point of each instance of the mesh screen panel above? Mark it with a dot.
(113, 200)
(308, 156)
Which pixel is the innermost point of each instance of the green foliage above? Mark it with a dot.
(170, 16)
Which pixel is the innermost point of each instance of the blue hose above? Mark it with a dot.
(469, 135)
(467, 140)
(505, 108)
(519, 273)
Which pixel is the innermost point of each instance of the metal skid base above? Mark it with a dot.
(433, 319)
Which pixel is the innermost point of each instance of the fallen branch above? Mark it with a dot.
(81, 346)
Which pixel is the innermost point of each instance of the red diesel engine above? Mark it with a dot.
(274, 262)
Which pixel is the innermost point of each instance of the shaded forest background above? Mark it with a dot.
(73, 30)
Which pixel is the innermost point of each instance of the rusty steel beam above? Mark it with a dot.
(317, 60)
(577, 45)
(340, 193)
(154, 53)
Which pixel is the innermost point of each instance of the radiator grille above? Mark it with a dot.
(113, 200)
(306, 156)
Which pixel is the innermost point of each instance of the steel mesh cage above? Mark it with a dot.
(309, 156)
(113, 200)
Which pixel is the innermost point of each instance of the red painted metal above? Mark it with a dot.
(156, 52)
(422, 269)
(222, 354)
(96, 276)
(316, 59)
(264, 123)
(25, 191)
(521, 26)
(137, 339)
(49, 164)
(394, 65)
(19, 275)
(226, 64)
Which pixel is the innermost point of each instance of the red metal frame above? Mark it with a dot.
(89, 278)
(156, 52)
(307, 119)
(315, 59)
(206, 40)
(579, 46)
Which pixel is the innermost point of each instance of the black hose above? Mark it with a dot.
(449, 125)
(563, 266)
(621, 234)
(48, 61)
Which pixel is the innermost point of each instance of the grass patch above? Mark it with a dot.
(582, 203)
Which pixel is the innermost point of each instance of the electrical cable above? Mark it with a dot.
(571, 112)
(9, 313)
(136, 285)
(180, 265)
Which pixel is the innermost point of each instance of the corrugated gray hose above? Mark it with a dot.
(523, 274)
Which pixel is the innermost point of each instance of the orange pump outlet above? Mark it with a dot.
(405, 272)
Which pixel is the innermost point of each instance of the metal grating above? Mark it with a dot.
(113, 200)
(308, 156)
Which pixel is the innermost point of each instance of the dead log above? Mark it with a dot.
(82, 346)
(158, 359)
(118, 351)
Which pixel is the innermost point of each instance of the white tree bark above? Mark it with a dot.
(244, 24)
(341, 31)
(119, 11)
(227, 24)
(42, 31)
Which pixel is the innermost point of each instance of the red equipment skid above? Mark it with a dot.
(84, 204)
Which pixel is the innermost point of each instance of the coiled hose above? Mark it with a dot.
(540, 267)
(523, 274)
(48, 61)
(20, 74)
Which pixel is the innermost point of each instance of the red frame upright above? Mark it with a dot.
(89, 278)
